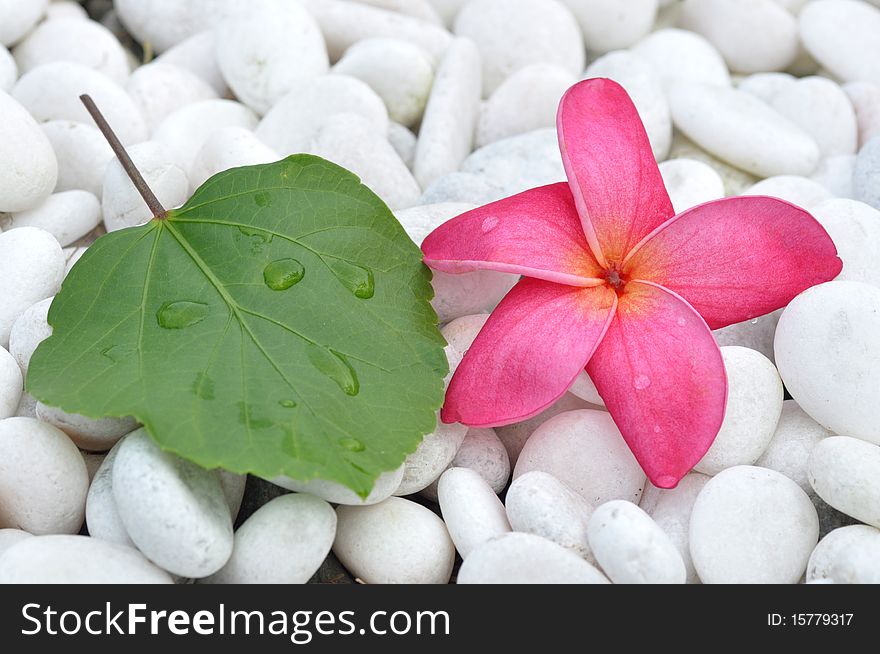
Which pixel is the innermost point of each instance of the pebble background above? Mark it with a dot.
(440, 106)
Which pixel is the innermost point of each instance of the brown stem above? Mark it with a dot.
(128, 166)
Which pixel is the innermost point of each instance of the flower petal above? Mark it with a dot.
(611, 169)
(527, 355)
(737, 258)
(663, 381)
(536, 233)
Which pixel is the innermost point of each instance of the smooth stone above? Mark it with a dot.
(584, 450)
(68, 216)
(76, 560)
(352, 142)
(122, 205)
(346, 23)
(18, 18)
(394, 542)
(82, 154)
(184, 132)
(66, 9)
(461, 332)
(842, 36)
(420, 221)
(848, 555)
(631, 547)
(512, 34)
(9, 537)
(865, 98)
(431, 458)
(174, 511)
(611, 25)
(446, 136)
(229, 147)
(735, 180)
(855, 229)
(802, 191)
(471, 510)
(525, 101)
(448, 9)
(160, 89)
(31, 269)
(70, 39)
(164, 23)
(836, 174)
(289, 126)
(794, 439)
(828, 354)
(8, 70)
(266, 48)
(283, 542)
(196, 54)
(540, 504)
(459, 188)
(680, 55)
(671, 510)
(740, 129)
(584, 388)
(233, 486)
(102, 517)
(336, 493)
(753, 36)
(483, 452)
(90, 434)
(640, 81)
(518, 558)
(754, 404)
(29, 330)
(51, 92)
(400, 73)
(11, 384)
(30, 169)
(403, 141)
(27, 406)
(422, 9)
(845, 472)
(822, 109)
(866, 174)
(752, 525)
(767, 86)
(690, 182)
(43, 479)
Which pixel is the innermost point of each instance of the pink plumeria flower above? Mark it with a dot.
(615, 282)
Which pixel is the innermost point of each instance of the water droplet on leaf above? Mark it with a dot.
(641, 382)
(181, 314)
(287, 404)
(335, 366)
(356, 279)
(259, 238)
(489, 224)
(352, 444)
(283, 273)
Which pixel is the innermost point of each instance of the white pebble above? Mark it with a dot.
(801, 191)
(9, 537)
(631, 547)
(416, 8)
(848, 555)
(671, 510)
(740, 129)
(828, 353)
(11, 384)
(794, 439)
(82, 153)
(283, 542)
(511, 34)
(174, 511)
(76, 560)
(160, 89)
(836, 174)
(540, 504)
(233, 486)
(865, 98)
(584, 450)
(18, 17)
(471, 510)
(122, 205)
(68, 216)
(73, 39)
(43, 479)
(446, 135)
(290, 125)
(735, 179)
(394, 542)
(432, 457)
(518, 558)
(164, 23)
(483, 452)
(8, 70)
(403, 141)
(91, 434)
(753, 36)
(30, 169)
(680, 55)
(29, 330)
(866, 174)
(229, 147)
(842, 36)
(610, 24)
(197, 55)
(31, 269)
(845, 472)
(66, 9)
(401, 73)
(52, 91)
(102, 516)
(268, 47)
(690, 182)
(767, 86)
(334, 492)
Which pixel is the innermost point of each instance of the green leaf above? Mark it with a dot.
(278, 323)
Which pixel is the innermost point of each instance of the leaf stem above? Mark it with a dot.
(128, 166)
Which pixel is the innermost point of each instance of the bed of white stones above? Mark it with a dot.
(441, 105)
